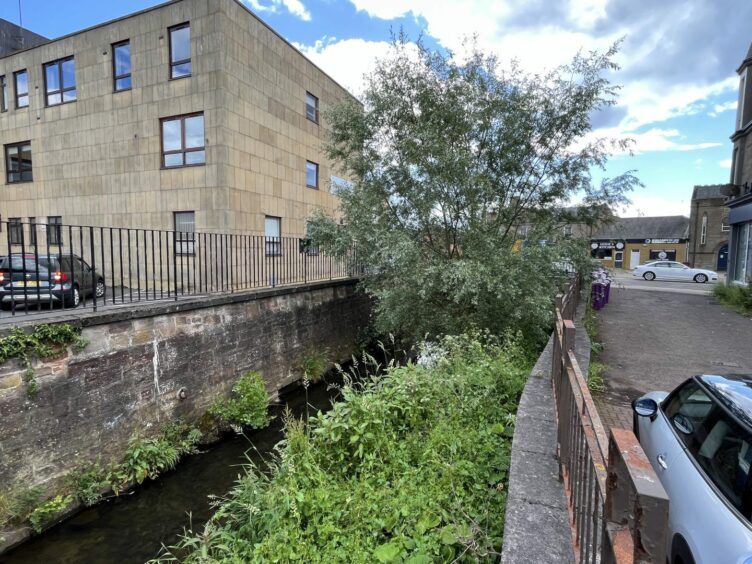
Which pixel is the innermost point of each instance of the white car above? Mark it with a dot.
(699, 441)
(672, 270)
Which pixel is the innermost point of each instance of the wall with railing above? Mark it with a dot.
(136, 265)
(618, 510)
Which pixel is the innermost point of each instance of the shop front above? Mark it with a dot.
(740, 252)
(631, 253)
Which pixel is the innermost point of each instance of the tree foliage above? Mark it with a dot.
(448, 158)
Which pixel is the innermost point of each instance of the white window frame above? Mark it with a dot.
(704, 230)
(273, 242)
(742, 99)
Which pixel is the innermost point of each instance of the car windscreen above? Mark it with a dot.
(716, 441)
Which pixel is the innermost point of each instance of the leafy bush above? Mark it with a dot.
(149, 457)
(248, 407)
(88, 482)
(42, 514)
(409, 467)
(314, 365)
(735, 295)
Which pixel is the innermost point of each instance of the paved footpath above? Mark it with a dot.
(656, 339)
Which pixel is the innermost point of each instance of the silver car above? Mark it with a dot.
(699, 441)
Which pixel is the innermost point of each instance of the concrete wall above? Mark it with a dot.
(128, 377)
(97, 161)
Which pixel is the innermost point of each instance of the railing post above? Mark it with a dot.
(636, 507)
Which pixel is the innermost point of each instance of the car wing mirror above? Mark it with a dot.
(645, 407)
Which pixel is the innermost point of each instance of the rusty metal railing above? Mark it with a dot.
(596, 499)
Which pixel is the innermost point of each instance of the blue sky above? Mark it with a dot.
(678, 58)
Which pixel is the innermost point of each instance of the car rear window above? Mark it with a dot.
(719, 444)
(29, 264)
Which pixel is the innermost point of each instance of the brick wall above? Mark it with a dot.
(129, 376)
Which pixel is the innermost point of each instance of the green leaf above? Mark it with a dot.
(388, 552)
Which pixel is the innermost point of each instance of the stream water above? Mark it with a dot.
(132, 528)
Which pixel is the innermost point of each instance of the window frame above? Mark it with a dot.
(275, 244)
(62, 90)
(704, 229)
(183, 150)
(20, 171)
(172, 63)
(315, 108)
(55, 230)
(115, 75)
(316, 185)
(15, 89)
(689, 451)
(15, 231)
(185, 241)
(3, 93)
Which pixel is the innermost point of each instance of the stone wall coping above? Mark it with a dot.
(536, 527)
(139, 310)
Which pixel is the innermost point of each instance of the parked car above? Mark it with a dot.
(47, 279)
(672, 270)
(699, 441)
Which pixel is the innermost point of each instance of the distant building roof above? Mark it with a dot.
(709, 192)
(14, 38)
(666, 227)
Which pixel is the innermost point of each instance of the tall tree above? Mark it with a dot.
(448, 158)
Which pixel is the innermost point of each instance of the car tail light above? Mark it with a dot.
(60, 277)
(2, 277)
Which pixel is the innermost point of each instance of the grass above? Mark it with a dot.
(736, 296)
(409, 467)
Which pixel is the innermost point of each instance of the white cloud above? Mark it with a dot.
(659, 82)
(725, 107)
(346, 60)
(295, 7)
(651, 205)
(652, 140)
(725, 163)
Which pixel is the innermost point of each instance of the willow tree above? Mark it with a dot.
(448, 158)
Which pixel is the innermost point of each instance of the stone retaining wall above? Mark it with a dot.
(130, 376)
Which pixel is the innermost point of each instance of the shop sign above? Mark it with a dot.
(661, 241)
(606, 245)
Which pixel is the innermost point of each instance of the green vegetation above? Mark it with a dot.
(145, 458)
(48, 510)
(248, 407)
(16, 504)
(408, 467)
(596, 369)
(41, 341)
(454, 163)
(314, 365)
(737, 296)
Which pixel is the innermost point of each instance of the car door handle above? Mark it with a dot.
(662, 461)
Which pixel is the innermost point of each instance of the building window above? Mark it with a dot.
(60, 81)
(742, 96)
(185, 227)
(312, 174)
(121, 65)
(704, 230)
(568, 230)
(725, 227)
(183, 141)
(15, 231)
(3, 94)
(312, 107)
(55, 230)
(21, 81)
(273, 232)
(180, 51)
(32, 231)
(18, 162)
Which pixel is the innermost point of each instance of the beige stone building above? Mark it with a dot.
(193, 107)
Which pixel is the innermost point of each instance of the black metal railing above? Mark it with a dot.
(43, 265)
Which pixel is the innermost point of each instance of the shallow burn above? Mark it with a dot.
(133, 527)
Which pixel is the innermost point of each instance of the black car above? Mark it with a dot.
(49, 279)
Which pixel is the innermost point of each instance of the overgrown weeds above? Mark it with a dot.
(248, 406)
(737, 296)
(407, 467)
